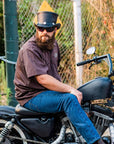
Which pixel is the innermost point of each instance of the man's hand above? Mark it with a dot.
(78, 94)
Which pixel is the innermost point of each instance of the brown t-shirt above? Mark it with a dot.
(33, 61)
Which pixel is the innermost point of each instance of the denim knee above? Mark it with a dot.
(68, 99)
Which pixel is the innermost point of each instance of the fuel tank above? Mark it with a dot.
(99, 88)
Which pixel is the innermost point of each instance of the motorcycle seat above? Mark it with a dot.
(23, 111)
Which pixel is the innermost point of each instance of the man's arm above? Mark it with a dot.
(51, 83)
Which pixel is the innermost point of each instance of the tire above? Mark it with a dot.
(16, 132)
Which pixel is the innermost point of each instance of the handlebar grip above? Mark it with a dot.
(83, 62)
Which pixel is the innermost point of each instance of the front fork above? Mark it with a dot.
(8, 126)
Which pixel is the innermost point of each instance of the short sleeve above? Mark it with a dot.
(34, 63)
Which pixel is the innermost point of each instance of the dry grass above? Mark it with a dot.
(3, 100)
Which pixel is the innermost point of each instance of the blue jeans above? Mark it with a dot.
(52, 102)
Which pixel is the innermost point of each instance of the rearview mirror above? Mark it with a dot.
(91, 50)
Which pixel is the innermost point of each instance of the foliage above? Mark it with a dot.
(4, 91)
(66, 37)
(25, 29)
(96, 32)
(3, 85)
(2, 78)
(1, 30)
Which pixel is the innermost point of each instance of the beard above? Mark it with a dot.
(45, 42)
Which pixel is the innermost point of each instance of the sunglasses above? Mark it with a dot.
(50, 29)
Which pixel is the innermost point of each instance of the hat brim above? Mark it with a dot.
(58, 25)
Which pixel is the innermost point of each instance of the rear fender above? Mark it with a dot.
(7, 111)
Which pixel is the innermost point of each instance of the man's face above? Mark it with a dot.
(45, 33)
(45, 37)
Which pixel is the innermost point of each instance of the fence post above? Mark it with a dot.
(78, 39)
(11, 44)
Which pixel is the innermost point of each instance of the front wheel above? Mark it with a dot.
(15, 132)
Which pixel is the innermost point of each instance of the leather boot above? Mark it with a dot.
(100, 141)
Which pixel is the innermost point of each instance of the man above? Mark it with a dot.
(37, 82)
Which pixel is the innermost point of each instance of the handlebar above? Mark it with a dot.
(96, 59)
(84, 62)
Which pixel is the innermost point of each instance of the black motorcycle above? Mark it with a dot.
(19, 125)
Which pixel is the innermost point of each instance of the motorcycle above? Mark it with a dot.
(19, 125)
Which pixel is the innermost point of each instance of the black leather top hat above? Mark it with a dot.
(47, 19)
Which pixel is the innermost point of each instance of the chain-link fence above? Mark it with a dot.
(27, 11)
(97, 30)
